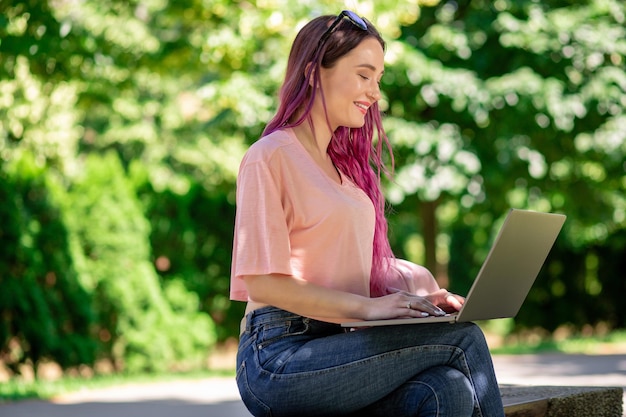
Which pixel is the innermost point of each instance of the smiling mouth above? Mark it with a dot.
(362, 107)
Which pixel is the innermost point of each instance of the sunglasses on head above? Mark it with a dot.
(352, 17)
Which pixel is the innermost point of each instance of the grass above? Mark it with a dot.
(609, 343)
(503, 338)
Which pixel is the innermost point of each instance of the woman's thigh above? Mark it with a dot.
(435, 342)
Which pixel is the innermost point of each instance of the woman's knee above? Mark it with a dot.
(469, 337)
(449, 392)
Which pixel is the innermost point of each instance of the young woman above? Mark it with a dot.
(311, 251)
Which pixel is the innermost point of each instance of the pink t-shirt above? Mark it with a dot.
(293, 219)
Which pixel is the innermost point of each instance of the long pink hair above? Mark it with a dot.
(353, 151)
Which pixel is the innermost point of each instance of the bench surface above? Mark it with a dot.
(555, 401)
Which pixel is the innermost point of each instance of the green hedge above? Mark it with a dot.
(44, 310)
(78, 283)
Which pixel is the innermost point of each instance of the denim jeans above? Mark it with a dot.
(289, 365)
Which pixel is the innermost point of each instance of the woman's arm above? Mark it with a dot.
(311, 300)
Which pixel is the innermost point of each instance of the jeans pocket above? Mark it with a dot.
(277, 342)
(273, 332)
(256, 407)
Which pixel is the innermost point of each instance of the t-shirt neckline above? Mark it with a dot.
(344, 179)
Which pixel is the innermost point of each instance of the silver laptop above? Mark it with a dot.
(506, 276)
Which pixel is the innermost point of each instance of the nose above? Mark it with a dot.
(374, 93)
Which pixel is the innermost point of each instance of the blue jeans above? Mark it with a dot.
(289, 365)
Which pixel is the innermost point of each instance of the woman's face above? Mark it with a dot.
(351, 86)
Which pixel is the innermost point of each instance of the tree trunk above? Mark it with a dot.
(429, 231)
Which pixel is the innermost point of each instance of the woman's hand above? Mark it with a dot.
(446, 301)
(402, 304)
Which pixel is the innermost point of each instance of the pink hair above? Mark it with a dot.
(352, 150)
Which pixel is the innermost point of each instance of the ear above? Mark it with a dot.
(308, 69)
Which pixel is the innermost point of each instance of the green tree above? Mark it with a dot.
(490, 105)
(514, 104)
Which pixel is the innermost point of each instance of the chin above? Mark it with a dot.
(352, 122)
(356, 124)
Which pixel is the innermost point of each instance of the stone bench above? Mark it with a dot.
(553, 401)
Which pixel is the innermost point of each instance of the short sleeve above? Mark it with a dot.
(261, 244)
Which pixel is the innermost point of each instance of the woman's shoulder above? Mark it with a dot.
(268, 146)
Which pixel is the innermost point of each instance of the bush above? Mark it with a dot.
(191, 240)
(141, 326)
(43, 313)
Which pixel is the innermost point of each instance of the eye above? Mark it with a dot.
(364, 77)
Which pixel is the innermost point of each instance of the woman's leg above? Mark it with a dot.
(440, 391)
(295, 366)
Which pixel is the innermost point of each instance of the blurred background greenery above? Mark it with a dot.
(122, 124)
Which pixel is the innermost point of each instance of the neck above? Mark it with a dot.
(315, 137)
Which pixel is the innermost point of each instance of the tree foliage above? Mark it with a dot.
(515, 104)
(122, 124)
